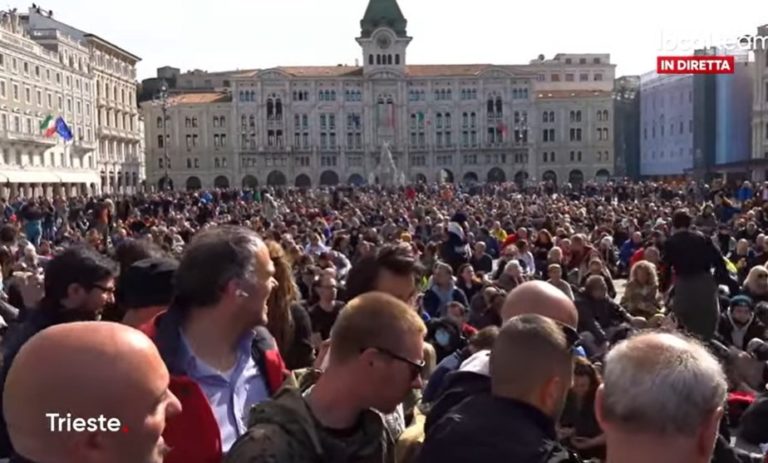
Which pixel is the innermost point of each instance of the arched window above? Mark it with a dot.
(270, 108)
(490, 105)
(216, 163)
(498, 105)
(449, 94)
(278, 109)
(439, 120)
(243, 121)
(370, 59)
(378, 59)
(159, 122)
(397, 59)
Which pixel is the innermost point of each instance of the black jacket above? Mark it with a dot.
(491, 429)
(459, 386)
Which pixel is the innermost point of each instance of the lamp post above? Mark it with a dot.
(163, 96)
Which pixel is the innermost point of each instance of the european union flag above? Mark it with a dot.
(63, 129)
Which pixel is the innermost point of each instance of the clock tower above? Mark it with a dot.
(383, 37)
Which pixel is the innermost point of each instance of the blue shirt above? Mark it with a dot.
(230, 394)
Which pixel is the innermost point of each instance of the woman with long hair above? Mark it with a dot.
(641, 295)
(468, 281)
(288, 321)
(578, 424)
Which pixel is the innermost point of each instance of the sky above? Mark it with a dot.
(246, 34)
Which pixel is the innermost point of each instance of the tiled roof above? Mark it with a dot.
(417, 70)
(322, 71)
(200, 98)
(561, 94)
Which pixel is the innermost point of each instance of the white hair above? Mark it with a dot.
(512, 264)
(662, 383)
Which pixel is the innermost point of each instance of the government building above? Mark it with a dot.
(548, 120)
(48, 68)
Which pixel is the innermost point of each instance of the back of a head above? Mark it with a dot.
(76, 265)
(90, 367)
(396, 259)
(132, 250)
(541, 298)
(213, 258)
(147, 283)
(661, 384)
(529, 350)
(373, 319)
(681, 220)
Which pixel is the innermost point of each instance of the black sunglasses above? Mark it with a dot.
(416, 367)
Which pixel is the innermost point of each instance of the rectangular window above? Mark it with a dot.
(160, 142)
(598, 77)
(61, 104)
(555, 77)
(569, 77)
(2, 89)
(27, 95)
(39, 98)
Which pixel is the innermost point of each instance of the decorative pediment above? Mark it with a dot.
(386, 74)
(273, 74)
(496, 73)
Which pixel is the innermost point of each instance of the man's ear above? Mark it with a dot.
(709, 431)
(599, 398)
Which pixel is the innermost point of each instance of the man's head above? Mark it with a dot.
(555, 272)
(681, 220)
(92, 369)
(532, 361)
(392, 270)
(377, 341)
(327, 288)
(442, 274)
(146, 287)
(227, 268)
(596, 288)
(479, 248)
(79, 279)
(541, 298)
(664, 387)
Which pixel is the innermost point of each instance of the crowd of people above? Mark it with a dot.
(614, 322)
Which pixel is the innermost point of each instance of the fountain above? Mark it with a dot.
(386, 173)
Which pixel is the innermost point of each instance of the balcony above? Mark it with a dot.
(31, 138)
(83, 147)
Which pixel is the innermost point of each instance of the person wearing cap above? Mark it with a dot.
(146, 289)
(738, 326)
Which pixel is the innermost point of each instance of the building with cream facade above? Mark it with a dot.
(44, 72)
(309, 126)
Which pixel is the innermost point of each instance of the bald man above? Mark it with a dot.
(108, 374)
(533, 297)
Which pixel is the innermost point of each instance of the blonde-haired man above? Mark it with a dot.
(376, 358)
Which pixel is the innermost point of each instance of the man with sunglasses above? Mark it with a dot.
(531, 368)
(376, 358)
(473, 377)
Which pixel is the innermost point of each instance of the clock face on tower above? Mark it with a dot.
(384, 42)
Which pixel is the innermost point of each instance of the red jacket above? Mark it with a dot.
(194, 434)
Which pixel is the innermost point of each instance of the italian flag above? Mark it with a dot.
(48, 126)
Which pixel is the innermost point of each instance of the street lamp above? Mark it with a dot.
(163, 97)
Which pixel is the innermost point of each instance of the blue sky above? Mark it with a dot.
(241, 34)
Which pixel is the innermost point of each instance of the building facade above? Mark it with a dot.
(760, 110)
(44, 72)
(627, 126)
(309, 126)
(113, 109)
(666, 125)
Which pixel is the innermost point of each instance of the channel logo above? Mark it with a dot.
(695, 64)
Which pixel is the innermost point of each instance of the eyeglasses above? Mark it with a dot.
(416, 367)
(106, 289)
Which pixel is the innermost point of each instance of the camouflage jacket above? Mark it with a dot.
(283, 430)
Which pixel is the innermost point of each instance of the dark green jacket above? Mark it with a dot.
(283, 430)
